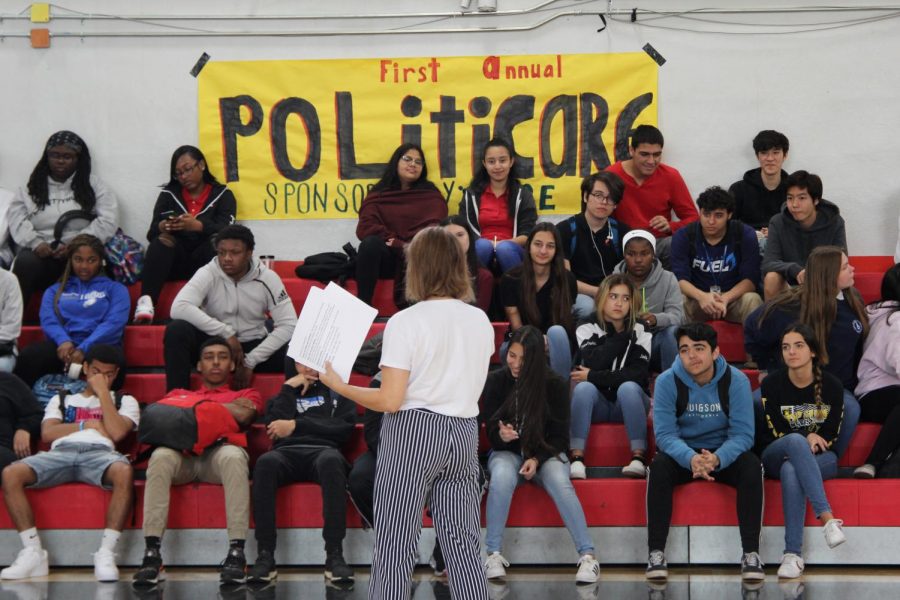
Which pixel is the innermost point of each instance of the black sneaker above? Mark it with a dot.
(437, 561)
(263, 571)
(336, 569)
(234, 567)
(151, 571)
(656, 565)
(752, 567)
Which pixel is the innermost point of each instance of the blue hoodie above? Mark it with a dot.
(93, 312)
(703, 424)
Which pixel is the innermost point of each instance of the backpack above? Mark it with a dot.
(329, 266)
(613, 228)
(124, 258)
(68, 412)
(190, 425)
(56, 384)
(681, 400)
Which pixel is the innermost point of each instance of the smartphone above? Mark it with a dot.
(169, 214)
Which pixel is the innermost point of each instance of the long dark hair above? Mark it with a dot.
(197, 155)
(528, 400)
(560, 298)
(890, 291)
(482, 179)
(471, 255)
(38, 188)
(83, 239)
(816, 298)
(390, 181)
(809, 337)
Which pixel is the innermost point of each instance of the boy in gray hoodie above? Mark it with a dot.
(662, 305)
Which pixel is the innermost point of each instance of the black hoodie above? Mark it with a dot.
(754, 204)
(218, 212)
(789, 244)
(323, 417)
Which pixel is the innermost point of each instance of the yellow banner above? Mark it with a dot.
(305, 139)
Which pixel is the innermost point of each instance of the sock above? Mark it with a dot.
(30, 538)
(578, 459)
(236, 544)
(640, 457)
(110, 539)
(152, 542)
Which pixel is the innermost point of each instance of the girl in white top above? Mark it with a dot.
(434, 364)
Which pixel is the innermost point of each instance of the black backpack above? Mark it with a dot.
(681, 401)
(329, 266)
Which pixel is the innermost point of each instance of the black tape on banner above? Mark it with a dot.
(652, 53)
(604, 23)
(201, 62)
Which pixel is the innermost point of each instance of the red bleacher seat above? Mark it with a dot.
(869, 285)
(731, 340)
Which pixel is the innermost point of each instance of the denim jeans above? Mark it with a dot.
(801, 473)
(590, 406)
(7, 363)
(559, 351)
(509, 254)
(663, 348)
(583, 307)
(553, 476)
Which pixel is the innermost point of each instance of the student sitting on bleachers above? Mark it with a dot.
(803, 408)
(20, 419)
(6, 252)
(806, 221)
(308, 423)
(190, 210)
(526, 415)
(82, 430)
(716, 261)
(10, 320)
(703, 422)
(498, 208)
(879, 374)
(592, 240)
(827, 303)
(398, 206)
(612, 382)
(661, 302)
(540, 292)
(225, 463)
(84, 308)
(482, 279)
(61, 182)
(231, 297)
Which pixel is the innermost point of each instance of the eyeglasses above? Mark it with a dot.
(409, 159)
(601, 198)
(186, 170)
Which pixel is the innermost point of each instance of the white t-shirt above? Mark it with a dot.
(88, 408)
(446, 345)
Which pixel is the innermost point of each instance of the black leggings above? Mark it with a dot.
(882, 406)
(39, 359)
(162, 264)
(744, 474)
(374, 261)
(36, 274)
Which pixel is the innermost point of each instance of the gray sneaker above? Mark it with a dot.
(752, 567)
(656, 565)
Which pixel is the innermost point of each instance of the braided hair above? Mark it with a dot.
(79, 241)
(38, 188)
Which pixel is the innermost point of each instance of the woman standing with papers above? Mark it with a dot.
(434, 364)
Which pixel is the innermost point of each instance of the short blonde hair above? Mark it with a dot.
(606, 287)
(436, 267)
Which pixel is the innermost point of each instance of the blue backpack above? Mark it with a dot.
(54, 384)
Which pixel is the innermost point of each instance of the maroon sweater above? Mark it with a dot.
(400, 214)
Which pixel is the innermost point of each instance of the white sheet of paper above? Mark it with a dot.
(332, 327)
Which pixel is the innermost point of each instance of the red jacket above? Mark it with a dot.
(660, 194)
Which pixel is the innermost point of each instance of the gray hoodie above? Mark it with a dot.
(789, 244)
(217, 305)
(662, 295)
(10, 307)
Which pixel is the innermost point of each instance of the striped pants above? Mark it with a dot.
(421, 455)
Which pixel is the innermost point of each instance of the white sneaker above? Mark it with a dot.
(588, 569)
(636, 469)
(865, 471)
(28, 563)
(105, 568)
(495, 566)
(834, 533)
(577, 470)
(143, 312)
(791, 566)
